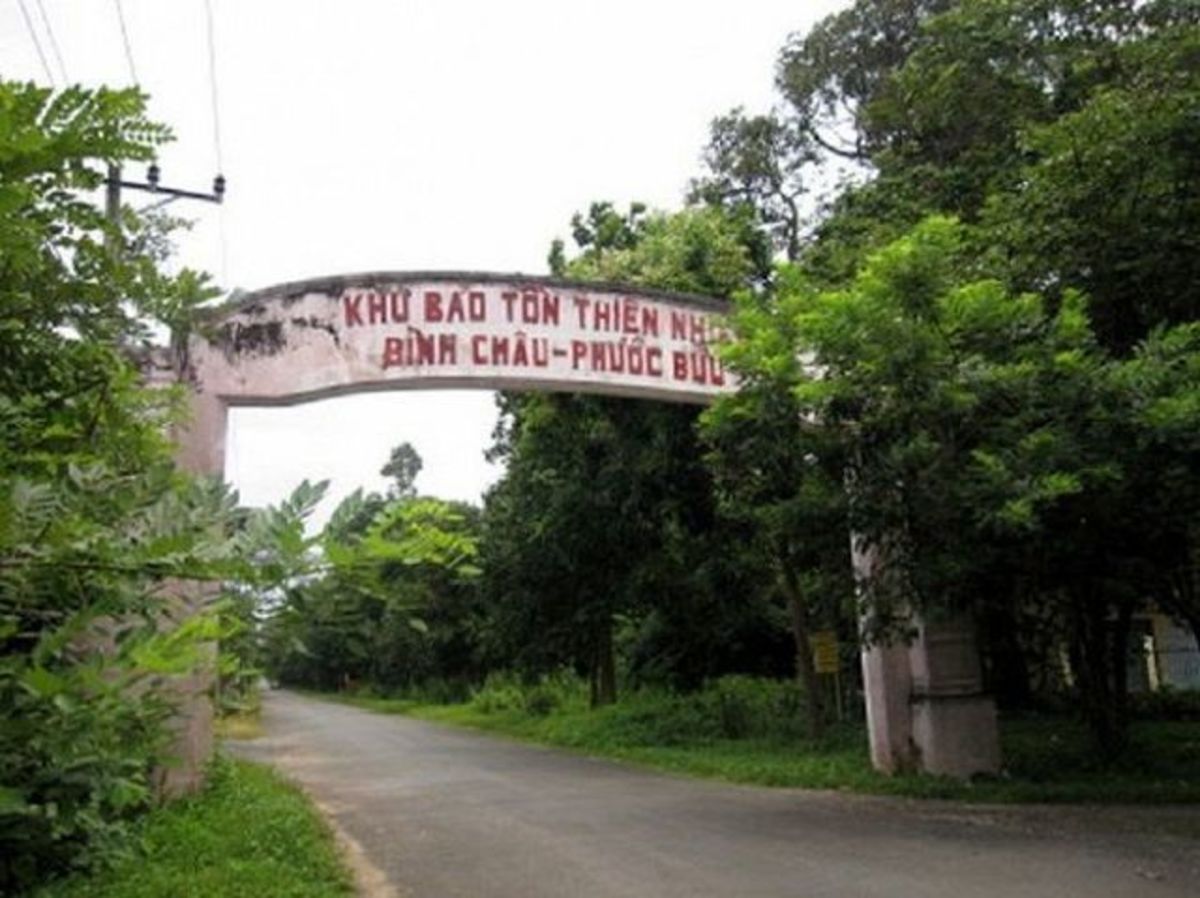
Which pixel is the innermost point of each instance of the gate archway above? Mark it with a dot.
(389, 330)
(425, 330)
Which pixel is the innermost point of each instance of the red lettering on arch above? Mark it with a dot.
(350, 307)
(393, 352)
(433, 305)
(478, 345)
(679, 364)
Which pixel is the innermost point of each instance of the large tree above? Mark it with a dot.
(605, 502)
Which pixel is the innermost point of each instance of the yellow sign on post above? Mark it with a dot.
(825, 651)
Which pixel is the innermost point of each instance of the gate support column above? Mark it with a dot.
(926, 710)
(954, 730)
(199, 449)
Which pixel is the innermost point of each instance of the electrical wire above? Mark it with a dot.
(53, 42)
(222, 238)
(212, 82)
(37, 43)
(125, 39)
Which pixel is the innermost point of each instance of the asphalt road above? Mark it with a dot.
(443, 812)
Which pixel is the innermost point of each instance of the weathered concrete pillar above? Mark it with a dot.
(954, 730)
(887, 685)
(926, 710)
(199, 449)
(200, 441)
(887, 681)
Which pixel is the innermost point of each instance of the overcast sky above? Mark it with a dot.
(409, 135)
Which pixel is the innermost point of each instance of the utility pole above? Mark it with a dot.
(112, 195)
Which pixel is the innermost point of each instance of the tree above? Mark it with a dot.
(1109, 201)
(363, 615)
(756, 164)
(830, 80)
(402, 468)
(1061, 132)
(604, 500)
(989, 446)
(781, 474)
(832, 75)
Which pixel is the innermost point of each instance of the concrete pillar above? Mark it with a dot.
(199, 449)
(887, 686)
(954, 730)
(200, 441)
(926, 710)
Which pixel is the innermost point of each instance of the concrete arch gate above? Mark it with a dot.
(390, 330)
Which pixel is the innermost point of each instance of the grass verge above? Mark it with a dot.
(1048, 759)
(240, 725)
(249, 834)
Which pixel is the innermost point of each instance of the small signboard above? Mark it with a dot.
(825, 651)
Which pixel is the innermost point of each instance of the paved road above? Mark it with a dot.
(447, 813)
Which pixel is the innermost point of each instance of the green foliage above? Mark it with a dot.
(1168, 704)
(756, 167)
(103, 544)
(1048, 758)
(1001, 394)
(402, 469)
(987, 445)
(602, 530)
(248, 834)
(728, 707)
(704, 251)
(372, 609)
(503, 692)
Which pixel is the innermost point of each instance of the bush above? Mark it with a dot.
(500, 692)
(731, 707)
(1167, 704)
(540, 701)
(503, 691)
(77, 765)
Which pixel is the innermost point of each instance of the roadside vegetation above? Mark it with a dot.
(979, 351)
(102, 538)
(248, 834)
(751, 730)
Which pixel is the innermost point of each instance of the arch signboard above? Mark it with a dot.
(384, 331)
(319, 338)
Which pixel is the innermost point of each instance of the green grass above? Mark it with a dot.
(1048, 759)
(240, 725)
(249, 834)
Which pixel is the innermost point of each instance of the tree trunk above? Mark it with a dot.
(603, 668)
(1098, 681)
(1008, 671)
(1178, 597)
(1120, 664)
(805, 671)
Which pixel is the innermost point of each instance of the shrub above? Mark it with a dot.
(500, 692)
(1167, 704)
(503, 691)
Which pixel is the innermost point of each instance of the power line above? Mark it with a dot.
(222, 238)
(53, 42)
(125, 38)
(212, 82)
(36, 43)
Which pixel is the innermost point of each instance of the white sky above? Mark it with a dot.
(410, 134)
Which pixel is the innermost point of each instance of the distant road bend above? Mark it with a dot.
(445, 813)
